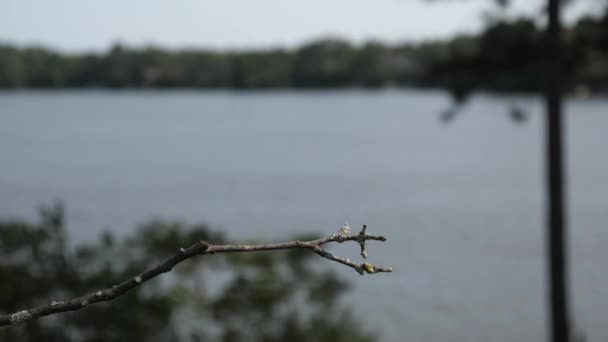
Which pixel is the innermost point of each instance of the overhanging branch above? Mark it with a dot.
(201, 248)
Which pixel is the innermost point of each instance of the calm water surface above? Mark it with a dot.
(462, 202)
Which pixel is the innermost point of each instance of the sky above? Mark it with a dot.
(88, 25)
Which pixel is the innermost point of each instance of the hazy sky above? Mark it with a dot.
(77, 25)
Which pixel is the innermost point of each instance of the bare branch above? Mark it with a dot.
(201, 248)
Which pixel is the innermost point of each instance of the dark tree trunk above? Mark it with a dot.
(556, 225)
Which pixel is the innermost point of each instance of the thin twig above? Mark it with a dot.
(200, 248)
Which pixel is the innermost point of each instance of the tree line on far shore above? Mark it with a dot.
(506, 56)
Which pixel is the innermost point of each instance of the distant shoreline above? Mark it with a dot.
(303, 91)
(507, 57)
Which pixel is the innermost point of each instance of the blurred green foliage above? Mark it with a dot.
(506, 56)
(265, 296)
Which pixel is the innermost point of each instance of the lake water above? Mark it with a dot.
(462, 202)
